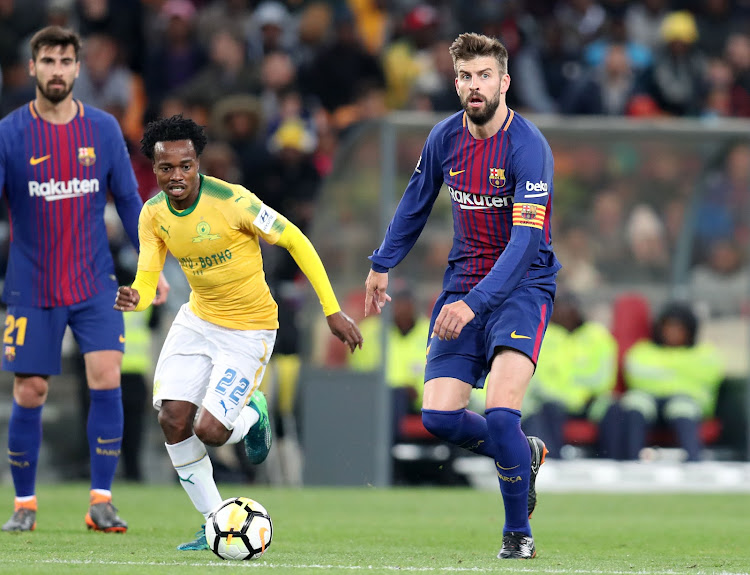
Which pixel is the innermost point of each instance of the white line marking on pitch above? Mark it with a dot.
(261, 564)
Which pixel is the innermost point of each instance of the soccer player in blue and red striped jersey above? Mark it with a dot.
(488, 323)
(58, 160)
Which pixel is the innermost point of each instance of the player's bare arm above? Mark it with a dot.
(376, 296)
(127, 298)
(162, 290)
(344, 328)
(452, 319)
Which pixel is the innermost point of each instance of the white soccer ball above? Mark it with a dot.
(239, 528)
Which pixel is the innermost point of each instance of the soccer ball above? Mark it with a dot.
(239, 528)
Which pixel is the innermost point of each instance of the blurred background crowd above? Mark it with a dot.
(637, 98)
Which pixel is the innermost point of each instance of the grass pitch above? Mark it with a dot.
(383, 531)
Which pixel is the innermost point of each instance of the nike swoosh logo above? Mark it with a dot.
(103, 441)
(507, 468)
(514, 335)
(34, 161)
(122, 339)
(262, 533)
(452, 173)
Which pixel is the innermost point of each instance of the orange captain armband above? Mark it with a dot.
(531, 215)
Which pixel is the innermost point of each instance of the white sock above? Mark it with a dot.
(248, 417)
(193, 466)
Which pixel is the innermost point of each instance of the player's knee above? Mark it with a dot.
(444, 425)
(30, 391)
(211, 432)
(176, 425)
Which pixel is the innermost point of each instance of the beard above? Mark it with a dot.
(55, 94)
(482, 115)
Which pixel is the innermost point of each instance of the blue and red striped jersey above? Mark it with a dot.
(501, 191)
(55, 179)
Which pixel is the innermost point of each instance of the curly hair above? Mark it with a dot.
(171, 130)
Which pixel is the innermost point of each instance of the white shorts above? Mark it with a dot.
(211, 366)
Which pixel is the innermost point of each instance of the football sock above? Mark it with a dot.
(513, 466)
(461, 427)
(193, 466)
(105, 435)
(24, 441)
(248, 417)
(25, 503)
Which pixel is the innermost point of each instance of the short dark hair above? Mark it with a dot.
(53, 36)
(471, 45)
(172, 130)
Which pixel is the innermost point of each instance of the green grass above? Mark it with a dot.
(411, 530)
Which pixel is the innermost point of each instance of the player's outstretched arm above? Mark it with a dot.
(127, 298)
(344, 328)
(376, 285)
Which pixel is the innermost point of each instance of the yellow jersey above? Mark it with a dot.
(216, 241)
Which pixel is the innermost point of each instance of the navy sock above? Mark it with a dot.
(461, 427)
(688, 435)
(105, 435)
(24, 441)
(513, 465)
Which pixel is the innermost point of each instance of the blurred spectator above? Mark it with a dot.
(606, 90)
(545, 69)
(574, 378)
(279, 75)
(228, 71)
(643, 22)
(715, 24)
(407, 341)
(436, 91)
(17, 88)
(677, 78)
(273, 31)
(220, 14)
(720, 80)
(648, 246)
(408, 60)
(737, 56)
(722, 280)
(219, 160)
(18, 20)
(671, 380)
(103, 81)
(582, 21)
(725, 204)
(341, 71)
(119, 19)
(575, 248)
(177, 56)
(237, 120)
(314, 29)
(607, 225)
(615, 34)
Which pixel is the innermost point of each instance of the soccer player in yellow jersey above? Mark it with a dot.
(221, 340)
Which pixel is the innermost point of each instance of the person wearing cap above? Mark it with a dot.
(676, 79)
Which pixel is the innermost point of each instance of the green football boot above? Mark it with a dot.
(197, 544)
(258, 438)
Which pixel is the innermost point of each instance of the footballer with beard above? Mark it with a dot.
(58, 160)
(488, 324)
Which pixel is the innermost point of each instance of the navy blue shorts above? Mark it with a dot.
(32, 339)
(519, 323)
